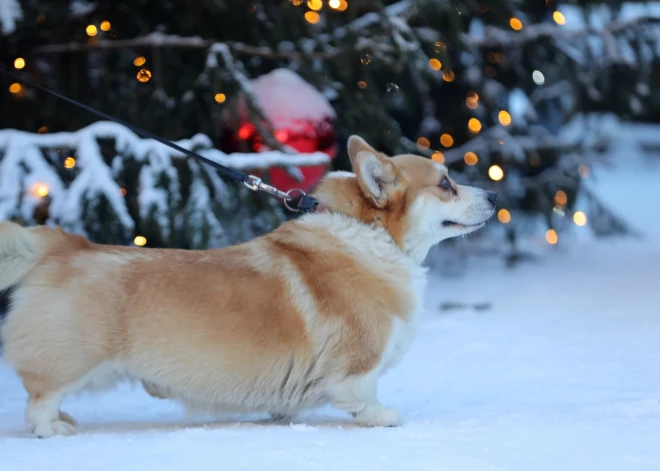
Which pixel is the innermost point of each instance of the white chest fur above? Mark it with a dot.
(375, 248)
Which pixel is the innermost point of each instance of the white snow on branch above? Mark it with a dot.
(289, 101)
(10, 14)
(24, 167)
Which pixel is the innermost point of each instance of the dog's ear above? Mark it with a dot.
(357, 144)
(377, 176)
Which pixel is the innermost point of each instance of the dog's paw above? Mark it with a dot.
(56, 427)
(378, 416)
(64, 417)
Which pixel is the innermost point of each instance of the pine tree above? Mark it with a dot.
(496, 90)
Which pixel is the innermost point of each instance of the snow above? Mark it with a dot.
(288, 100)
(23, 165)
(560, 373)
(10, 14)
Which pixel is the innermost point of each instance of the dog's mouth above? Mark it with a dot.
(448, 223)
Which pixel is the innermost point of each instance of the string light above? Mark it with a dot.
(105, 26)
(438, 157)
(140, 241)
(583, 171)
(144, 75)
(494, 57)
(559, 18)
(296, 3)
(19, 63)
(40, 190)
(91, 30)
(435, 64)
(538, 77)
(495, 173)
(515, 24)
(472, 101)
(362, 84)
(334, 4)
(474, 125)
(551, 237)
(343, 5)
(315, 5)
(504, 117)
(423, 143)
(69, 162)
(471, 158)
(220, 97)
(42, 130)
(579, 218)
(561, 198)
(449, 76)
(15, 88)
(139, 61)
(504, 216)
(446, 140)
(312, 17)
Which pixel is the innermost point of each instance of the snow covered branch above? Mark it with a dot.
(30, 166)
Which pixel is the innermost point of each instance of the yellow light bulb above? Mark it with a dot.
(579, 218)
(312, 17)
(140, 241)
(551, 237)
(504, 216)
(471, 158)
(438, 157)
(139, 61)
(15, 88)
(69, 162)
(343, 5)
(515, 24)
(19, 63)
(435, 64)
(446, 140)
(105, 26)
(423, 143)
(495, 173)
(315, 5)
(559, 18)
(144, 75)
(91, 30)
(561, 198)
(474, 125)
(504, 117)
(220, 97)
(334, 4)
(40, 190)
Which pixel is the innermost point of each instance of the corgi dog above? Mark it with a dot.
(310, 314)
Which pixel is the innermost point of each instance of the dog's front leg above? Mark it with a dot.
(358, 396)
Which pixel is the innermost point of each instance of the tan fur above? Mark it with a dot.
(310, 314)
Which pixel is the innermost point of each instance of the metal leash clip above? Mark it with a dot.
(302, 202)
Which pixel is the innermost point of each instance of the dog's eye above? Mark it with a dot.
(444, 183)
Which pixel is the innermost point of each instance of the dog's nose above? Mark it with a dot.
(492, 197)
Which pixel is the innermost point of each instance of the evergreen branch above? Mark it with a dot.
(174, 41)
(497, 37)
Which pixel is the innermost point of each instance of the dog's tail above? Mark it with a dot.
(20, 250)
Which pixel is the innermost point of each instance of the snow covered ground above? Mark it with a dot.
(560, 374)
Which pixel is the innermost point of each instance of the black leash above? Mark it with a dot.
(295, 199)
